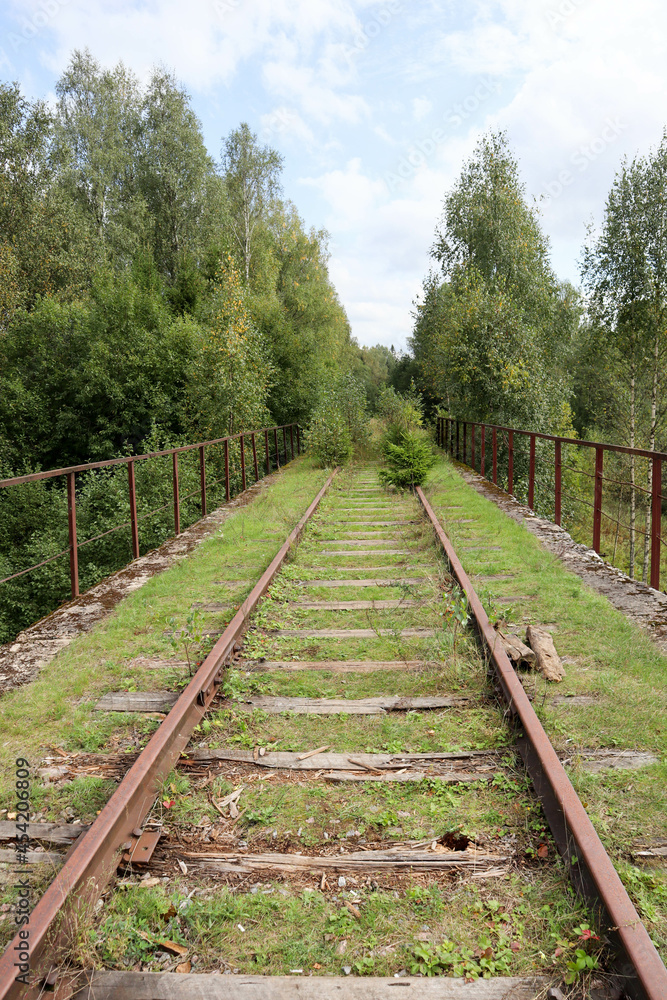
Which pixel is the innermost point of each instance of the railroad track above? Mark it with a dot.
(353, 812)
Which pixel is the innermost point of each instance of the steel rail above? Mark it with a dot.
(590, 867)
(93, 859)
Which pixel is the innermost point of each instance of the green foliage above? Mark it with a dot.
(408, 462)
(339, 421)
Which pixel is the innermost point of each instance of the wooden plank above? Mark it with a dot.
(10, 857)
(384, 524)
(352, 762)
(52, 833)
(412, 581)
(137, 701)
(375, 542)
(275, 704)
(548, 661)
(393, 567)
(395, 860)
(336, 666)
(365, 552)
(482, 545)
(356, 605)
(354, 633)
(192, 986)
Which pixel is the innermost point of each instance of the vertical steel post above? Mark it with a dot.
(242, 441)
(285, 443)
(458, 438)
(465, 442)
(133, 510)
(482, 448)
(494, 441)
(291, 438)
(656, 512)
(275, 441)
(71, 524)
(254, 456)
(298, 440)
(510, 462)
(202, 479)
(177, 505)
(557, 481)
(531, 473)
(227, 491)
(266, 448)
(597, 502)
(472, 445)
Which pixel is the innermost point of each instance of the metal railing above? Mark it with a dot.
(460, 438)
(288, 430)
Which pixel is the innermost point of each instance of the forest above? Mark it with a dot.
(150, 296)
(497, 338)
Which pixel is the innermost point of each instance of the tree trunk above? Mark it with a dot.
(651, 444)
(633, 496)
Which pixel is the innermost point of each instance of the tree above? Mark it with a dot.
(625, 269)
(252, 182)
(492, 331)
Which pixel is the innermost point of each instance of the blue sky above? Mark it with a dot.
(376, 105)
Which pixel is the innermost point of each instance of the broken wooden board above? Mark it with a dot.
(517, 650)
(375, 542)
(336, 666)
(412, 581)
(51, 833)
(275, 704)
(449, 767)
(365, 552)
(11, 857)
(547, 659)
(192, 986)
(372, 521)
(354, 633)
(395, 860)
(602, 760)
(137, 701)
(377, 605)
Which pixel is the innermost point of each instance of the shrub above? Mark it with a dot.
(329, 437)
(408, 462)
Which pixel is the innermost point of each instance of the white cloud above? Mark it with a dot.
(421, 108)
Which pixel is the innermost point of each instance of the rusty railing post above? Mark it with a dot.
(458, 440)
(254, 456)
(133, 510)
(656, 512)
(558, 465)
(227, 492)
(242, 442)
(177, 506)
(597, 502)
(202, 479)
(472, 445)
(510, 462)
(494, 442)
(275, 441)
(465, 442)
(266, 448)
(71, 524)
(482, 443)
(285, 443)
(298, 440)
(291, 439)
(531, 473)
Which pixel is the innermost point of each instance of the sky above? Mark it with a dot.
(375, 106)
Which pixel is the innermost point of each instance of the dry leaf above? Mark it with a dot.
(184, 967)
(182, 865)
(353, 909)
(173, 946)
(148, 883)
(542, 851)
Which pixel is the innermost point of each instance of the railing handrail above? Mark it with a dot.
(52, 473)
(623, 449)
(447, 435)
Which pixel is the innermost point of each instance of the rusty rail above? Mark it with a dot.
(94, 857)
(74, 544)
(590, 867)
(448, 436)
